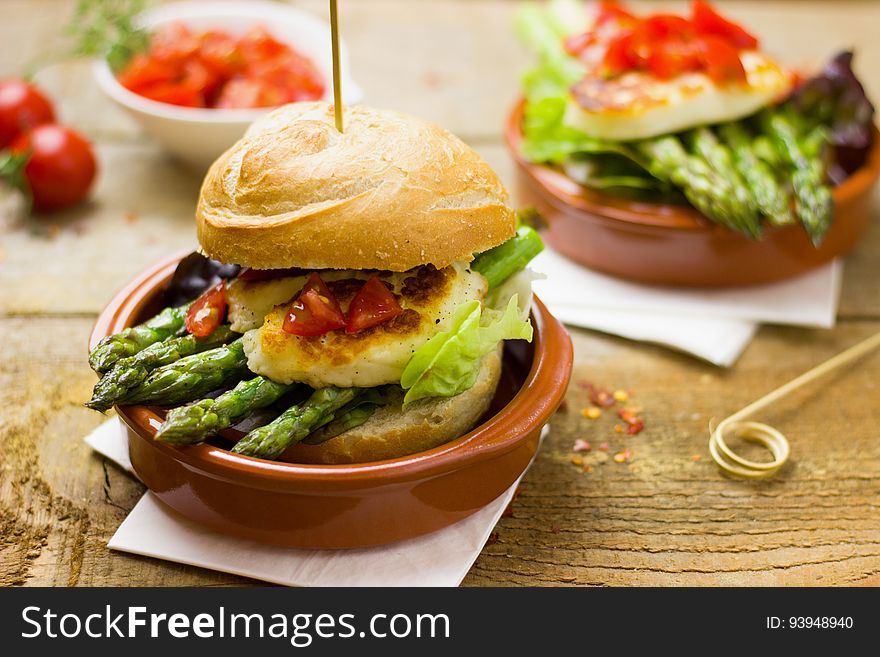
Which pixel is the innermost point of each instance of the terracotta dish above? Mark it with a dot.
(345, 506)
(673, 244)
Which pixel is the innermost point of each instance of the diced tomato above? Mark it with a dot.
(576, 43)
(219, 51)
(612, 11)
(374, 304)
(216, 69)
(258, 44)
(173, 93)
(173, 42)
(143, 71)
(315, 311)
(663, 26)
(720, 60)
(207, 312)
(619, 56)
(708, 21)
(673, 57)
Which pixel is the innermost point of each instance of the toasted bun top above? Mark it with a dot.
(391, 192)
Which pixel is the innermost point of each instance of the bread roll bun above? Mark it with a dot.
(391, 432)
(391, 192)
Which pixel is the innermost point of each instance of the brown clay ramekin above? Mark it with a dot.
(345, 506)
(675, 245)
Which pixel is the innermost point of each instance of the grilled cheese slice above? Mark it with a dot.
(637, 105)
(372, 357)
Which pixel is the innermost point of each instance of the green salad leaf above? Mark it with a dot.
(449, 363)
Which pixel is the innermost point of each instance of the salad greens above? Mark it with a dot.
(773, 168)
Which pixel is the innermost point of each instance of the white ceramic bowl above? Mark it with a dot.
(199, 135)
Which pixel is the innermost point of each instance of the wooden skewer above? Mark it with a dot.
(764, 434)
(337, 81)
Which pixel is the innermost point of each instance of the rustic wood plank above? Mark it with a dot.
(663, 518)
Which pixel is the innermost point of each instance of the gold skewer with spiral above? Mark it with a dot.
(764, 434)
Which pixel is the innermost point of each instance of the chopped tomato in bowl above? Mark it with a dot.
(212, 68)
(215, 68)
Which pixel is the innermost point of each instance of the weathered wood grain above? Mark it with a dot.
(666, 517)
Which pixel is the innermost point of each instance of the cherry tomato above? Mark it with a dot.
(374, 304)
(720, 59)
(708, 21)
(59, 168)
(207, 312)
(315, 311)
(22, 106)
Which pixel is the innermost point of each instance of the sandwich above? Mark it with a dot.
(376, 274)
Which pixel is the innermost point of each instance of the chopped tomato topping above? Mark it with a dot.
(207, 312)
(216, 69)
(374, 304)
(708, 21)
(664, 44)
(620, 56)
(315, 311)
(610, 11)
(720, 59)
(673, 58)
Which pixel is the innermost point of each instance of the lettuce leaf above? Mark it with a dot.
(449, 363)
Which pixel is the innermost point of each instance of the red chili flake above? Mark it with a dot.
(493, 538)
(581, 446)
(603, 447)
(600, 396)
(588, 468)
(623, 456)
(508, 512)
(618, 428)
(696, 457)
(634, 423)
(636, 427)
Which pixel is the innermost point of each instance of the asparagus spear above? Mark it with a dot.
(503, 261)
(707, 191)
(193, 423)
(191, 377)
(295, 423)
(801, 153)
(718, 156)
(129, 373)
(134, 339)
(773, 199)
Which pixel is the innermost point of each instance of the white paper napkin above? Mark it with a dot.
(442, 558)
(713, 324)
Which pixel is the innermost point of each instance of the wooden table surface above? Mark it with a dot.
(668, 517)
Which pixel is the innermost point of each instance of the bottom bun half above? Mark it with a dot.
(392, 432)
